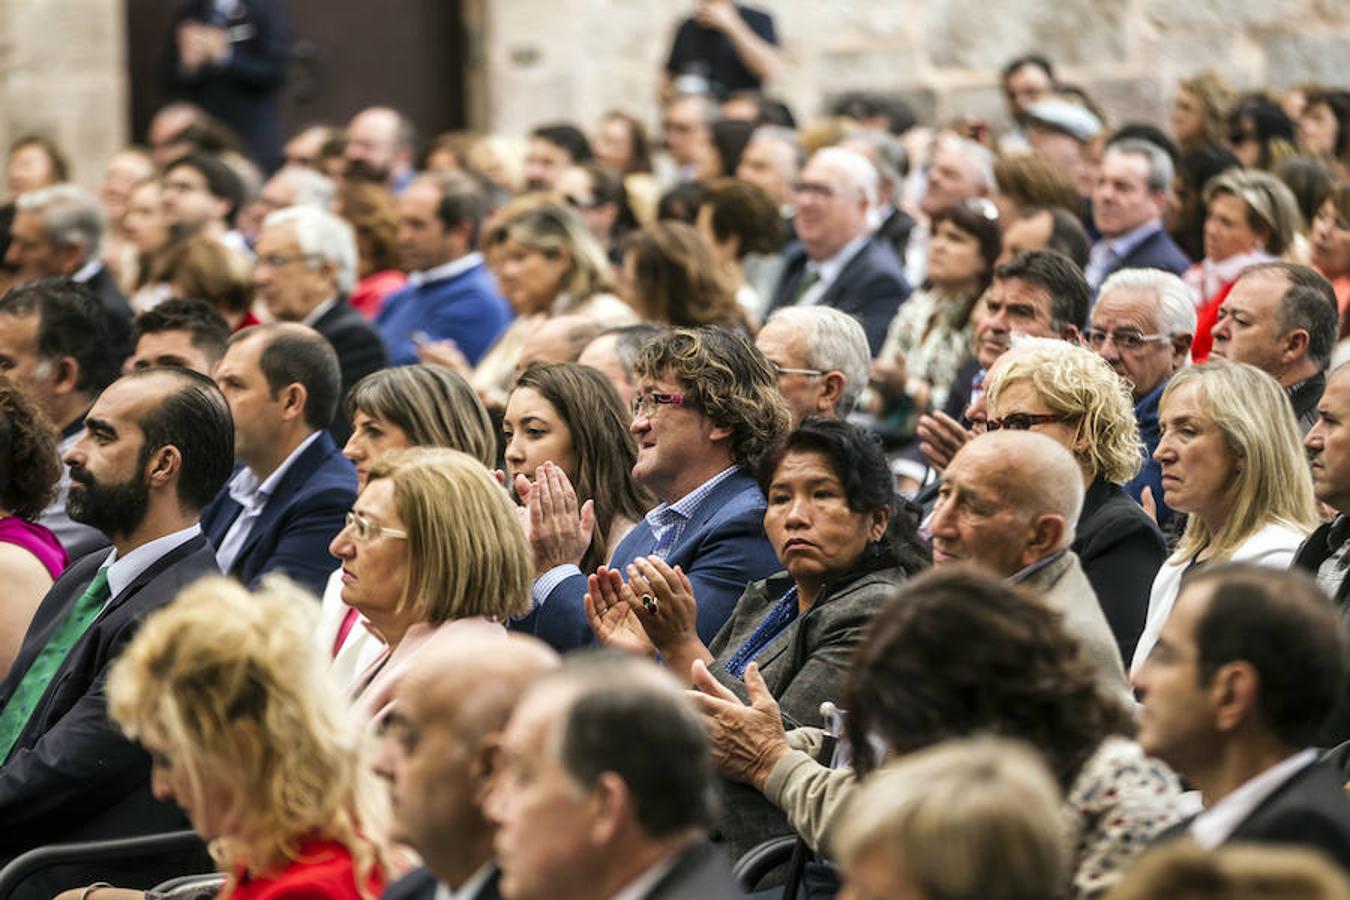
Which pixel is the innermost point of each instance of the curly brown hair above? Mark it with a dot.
(1017, 674)
(29, 468)
(729, 380)
(676, 278)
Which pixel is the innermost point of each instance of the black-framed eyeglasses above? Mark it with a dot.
(1124, 340)
(1022, 421)
(780, 371)
(364, 529)
(645, 404)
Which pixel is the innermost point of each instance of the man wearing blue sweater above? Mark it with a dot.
(450, 295)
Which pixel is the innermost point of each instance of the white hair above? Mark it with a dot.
(1176, 304)
(70, 215)
(856, 168)
(835, 342)
(323, 235)
(311, 188)
(980, 158)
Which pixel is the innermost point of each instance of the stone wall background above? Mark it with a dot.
(63, 62)
(551, 59)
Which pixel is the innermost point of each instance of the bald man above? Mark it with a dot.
(1009, 502)
(438, 754)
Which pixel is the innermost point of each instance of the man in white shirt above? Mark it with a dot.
(289, 497)
(438, 754)
(1247, 668)
(605, 789)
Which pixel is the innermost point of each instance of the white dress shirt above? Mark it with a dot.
(1216, 824)
(829, 269)
(247, 492)
(122, 572)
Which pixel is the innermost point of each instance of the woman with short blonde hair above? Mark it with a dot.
(1233, 461)
(1072, 395)
(966, 819)
(245, 731)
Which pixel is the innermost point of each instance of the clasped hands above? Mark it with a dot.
(653, 611)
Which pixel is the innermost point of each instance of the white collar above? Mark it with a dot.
(87, 271)
(469, 889)
(445, 270)
(829, 269)
(244, 487)
(1216, 824)
(319, 311)
(122, 572)
(640, 886)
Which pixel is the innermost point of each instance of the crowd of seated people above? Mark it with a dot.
(895, 508)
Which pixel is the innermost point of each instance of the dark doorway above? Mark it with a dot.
(345, 55)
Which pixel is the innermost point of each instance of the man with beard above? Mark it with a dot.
(380, 147)
(156, 447)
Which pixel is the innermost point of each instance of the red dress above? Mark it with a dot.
(323, 872)
(371, 291)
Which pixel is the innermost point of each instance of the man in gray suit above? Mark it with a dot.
(156, 447)
(605, 789)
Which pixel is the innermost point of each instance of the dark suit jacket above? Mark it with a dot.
(722, 549)
(116, 309)
(870, 287)
(1309, 810)
(304, 514)
(802, 667)
(1320, 545)
(1121, 551)
(419, 884)
(72, 775)
(701, 872)
(360, 351)
(1157, 251)
(896, 230)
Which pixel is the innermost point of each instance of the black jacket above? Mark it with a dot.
(360, 351)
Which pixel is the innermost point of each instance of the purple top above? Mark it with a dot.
(36, 540)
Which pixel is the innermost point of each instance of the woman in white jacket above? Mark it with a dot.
(1232, 461)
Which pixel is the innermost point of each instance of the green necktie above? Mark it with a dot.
(809, 280)
(14, 717)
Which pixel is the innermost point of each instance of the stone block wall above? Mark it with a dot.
(63, 75)
(553, 59)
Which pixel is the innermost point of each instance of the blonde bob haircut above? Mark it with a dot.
(231, 688)
(554, 229)
(1232, 872)
(1273, 484)
(974, 819)
(467, 554)
(1079, 385)
(432, 405)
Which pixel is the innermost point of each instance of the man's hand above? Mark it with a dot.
(558, 529)
(747, 741)
(718, 14)
(940, 436)
(609, 610)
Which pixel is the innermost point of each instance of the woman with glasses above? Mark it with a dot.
(834, 522)
(432, 542)
(1073, 396)
(1233, 461)
(565, 421)
(395, 409)
(930, 336)
(1250, 217)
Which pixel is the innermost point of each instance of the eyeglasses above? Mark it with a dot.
(364, 529)
(780, 371)
(1022, 421)
(278, 260)
(1124, 340)
(981, 207)
(646, 404)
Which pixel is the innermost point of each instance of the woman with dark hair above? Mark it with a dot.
(954, 654)
(621, 143)
(670, 276)
(930, 336)
(1330, 238)
(594, 190)
(833, 519)
(31, 557)
(1259, 133)
(570, 417)
(1184, 217)
(737, 218)
(1324, 129)
(34, 162)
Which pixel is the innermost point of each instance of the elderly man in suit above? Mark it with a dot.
(1127, 206)
(838, 262)
(288, 498)
(155, 449)
(304, 270)
(439, 756)
(707, 407)
(605, 789)
(1248, 666)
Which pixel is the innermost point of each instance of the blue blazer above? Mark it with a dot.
(723, 549)
(300, 520)
(870, 287)
(1157, 251)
